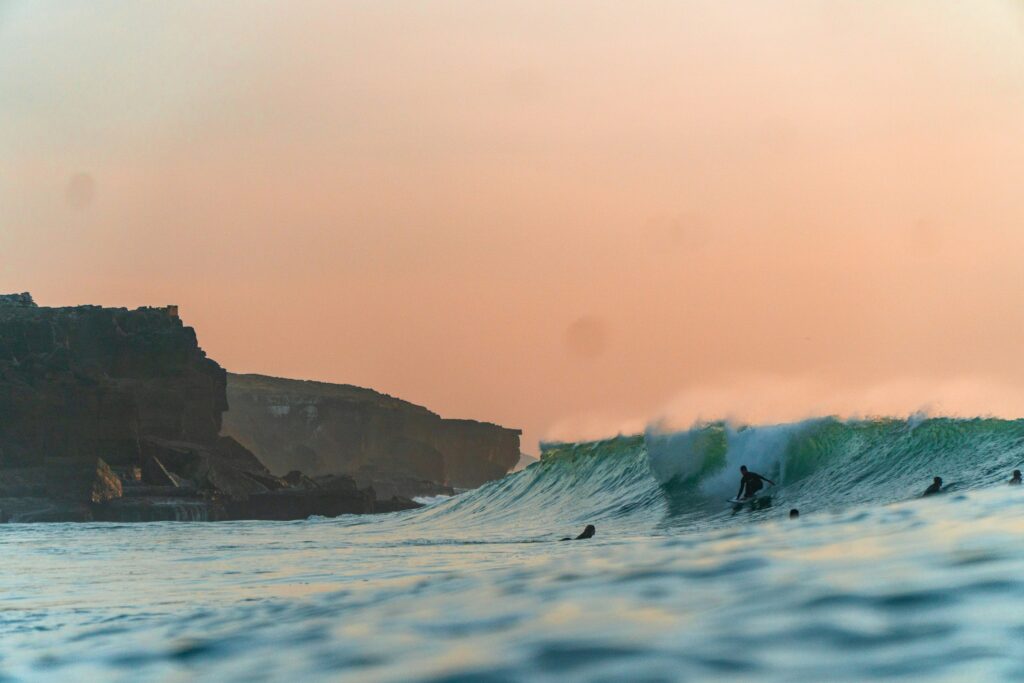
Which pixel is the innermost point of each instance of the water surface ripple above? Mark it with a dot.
(674, 586)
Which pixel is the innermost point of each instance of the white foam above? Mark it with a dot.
(430, 500)
(680, 455)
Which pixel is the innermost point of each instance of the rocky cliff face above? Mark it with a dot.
(90, 382)
(384, 442)
(109, 413)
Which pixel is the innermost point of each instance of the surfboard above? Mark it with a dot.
(741, 501)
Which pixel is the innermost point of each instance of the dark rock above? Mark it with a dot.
(81, 480)
(218, 467)
(390, 485)
(395, 504)
(230, 452)
(336, 482)
(235, 484)
(23, 300)
(297, 480)
(155, 474)
(112, 414)
(270, 482)
(89, 382)
(23, 482)
(106, 485)
(184, 459)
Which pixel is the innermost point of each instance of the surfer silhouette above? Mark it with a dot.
(751, 483)
(934, 488)
(1016, 480)
(588, 532)
(794, 513)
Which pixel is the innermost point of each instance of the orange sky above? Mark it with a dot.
(570, 217)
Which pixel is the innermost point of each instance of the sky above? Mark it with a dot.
(575, 218)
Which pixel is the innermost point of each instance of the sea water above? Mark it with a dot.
(870, 583)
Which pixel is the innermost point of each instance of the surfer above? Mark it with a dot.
(934, 488)
(751, 483)
(1016, 481)
(794, 513)
(588, 532)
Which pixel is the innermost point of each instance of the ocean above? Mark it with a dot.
(871, 582)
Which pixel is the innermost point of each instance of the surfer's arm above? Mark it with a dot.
(769, 481)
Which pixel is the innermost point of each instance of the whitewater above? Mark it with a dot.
(870, 583)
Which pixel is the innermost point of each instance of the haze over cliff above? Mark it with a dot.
(380, 440)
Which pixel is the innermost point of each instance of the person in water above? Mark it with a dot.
(588, 532)
(934, 488)
(1016, 480)
(751, 483)
(794, 513)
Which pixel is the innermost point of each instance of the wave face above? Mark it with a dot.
(571, 484)
(684, 478)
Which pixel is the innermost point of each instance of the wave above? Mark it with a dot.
(661, 480)
(826, 459)
(430, 500)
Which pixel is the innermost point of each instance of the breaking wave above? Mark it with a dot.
(683, 478)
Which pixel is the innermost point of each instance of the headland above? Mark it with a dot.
(111, 414)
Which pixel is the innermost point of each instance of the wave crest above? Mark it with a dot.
(682, 478)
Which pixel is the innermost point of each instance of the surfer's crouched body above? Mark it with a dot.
(934, 488)
(751, 483)
(588, 532)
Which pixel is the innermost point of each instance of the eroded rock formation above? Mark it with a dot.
(109, 413)
(396, 447)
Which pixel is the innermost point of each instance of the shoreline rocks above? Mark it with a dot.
(110, 414)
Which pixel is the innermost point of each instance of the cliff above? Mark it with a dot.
(524, 462)
(384, 442)
(109, 413)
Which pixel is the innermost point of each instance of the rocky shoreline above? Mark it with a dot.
(110, 414)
